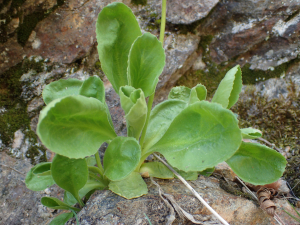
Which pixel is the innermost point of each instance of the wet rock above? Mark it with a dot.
(105, 207)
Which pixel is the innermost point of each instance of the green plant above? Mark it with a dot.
(193, 134)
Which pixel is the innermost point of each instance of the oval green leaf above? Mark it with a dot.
(70, 174)
(61, 88)
(160, 119)
(251, 133)
(116, 30)
(229, 89)
(201, 136)
(93, 87)
(54, 203)
(180, 92)
(132, 187)
(134, 104)
(61, 219)
(156, 169)
(146, 61)
(257, 164)
(42, 169)
(121, 158)
(198, 93)
(37, 182)
(74, 126)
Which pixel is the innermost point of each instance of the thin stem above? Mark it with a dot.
(161, 39)
(193, 191)
(98, 161)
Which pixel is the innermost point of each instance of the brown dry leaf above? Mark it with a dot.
(264, 197)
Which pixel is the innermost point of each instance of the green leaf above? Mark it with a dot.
(74, 126)
(191, 175)
(251, 133)
(94, 87)
(160, 119)
(201, 136)
(42, 169)
(54, 203)
(91, 161)
(70, 174)
(257, 164)
(156, 169)
(37, 182)
(61, 219)
(181, 93)
(89, 186)
(207, 172)
(198, 93)
(121, 158)
(229, 89)
(61, 88)
(146, 61)
(116, 30)
(132, 187)
(134, 104)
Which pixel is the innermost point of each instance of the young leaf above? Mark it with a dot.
(201, 136)
(42, 169)
(207, 172)
(257, 164)
(181, 93)
(37, 182)
(94, 87)
(132, 187)
(156, 169)
(61, 219)
(134, 104)
(251, 133)
(160, 119)
(61, 88)
(89, 186)
(146, 61)
(70, 174)
(198, 93)
(54, 203)
(121, 158)
(116, 30)
(229, 89)
(74, 126)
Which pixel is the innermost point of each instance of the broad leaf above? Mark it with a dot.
(61, 219)
(132, 187)
(42, 169)
(116, 30)
(89, 186)
(229, 89)
(74, 126)
(257, 164)
(146, 61)
(121, 158)
(134, 104)
(160, 119)
(198, 93)
(70, 174)
(61, 88)
(94, 87)
(156, 169)
(37, 182)
(54, 203)
(91, 161)
(201, 136)
(251, 133)
(181, 93)
(191, 175)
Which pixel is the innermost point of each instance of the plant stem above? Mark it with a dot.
(98, 161)
(193, 191)
(161, 39)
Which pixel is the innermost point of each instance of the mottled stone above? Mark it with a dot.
(105, 207)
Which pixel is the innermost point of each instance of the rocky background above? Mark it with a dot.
(45, 40)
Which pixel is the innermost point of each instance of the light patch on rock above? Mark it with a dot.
(199, 64)
(26, 76)
(36, 43)
(281, 27)
(238, 27)
(18, 139)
